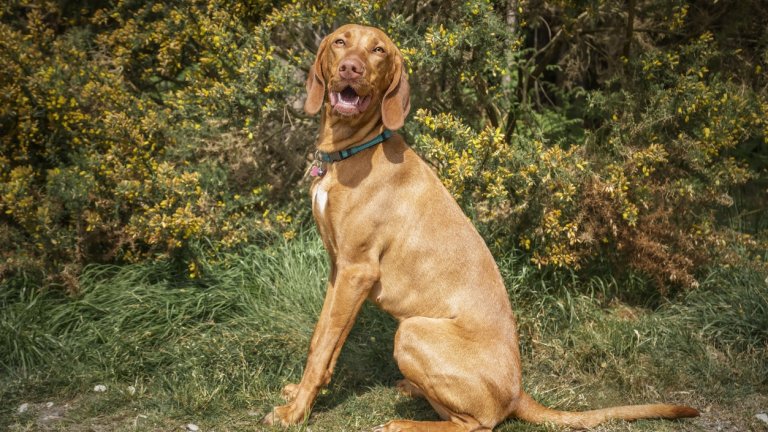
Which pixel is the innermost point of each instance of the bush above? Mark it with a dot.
(142, 131)
(638, 172)
(111, 127)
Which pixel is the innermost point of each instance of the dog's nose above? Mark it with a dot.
(351, 68)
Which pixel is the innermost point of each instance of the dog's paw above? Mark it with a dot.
(285, 415)
(289, 392)
(276, 417)
(386, 428)
(406, 388)
(269, 419)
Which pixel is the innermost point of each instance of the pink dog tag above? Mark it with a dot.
(316, 171)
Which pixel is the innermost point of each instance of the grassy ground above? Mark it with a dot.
(215, 352)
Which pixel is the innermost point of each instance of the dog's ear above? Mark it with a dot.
(397, 100)
(316, 82)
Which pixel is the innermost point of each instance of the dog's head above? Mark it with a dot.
(362, 72)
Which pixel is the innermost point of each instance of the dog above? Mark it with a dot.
(397, 237)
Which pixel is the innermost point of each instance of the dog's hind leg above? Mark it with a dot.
(406, 388)
(468, 382)
(427, 426)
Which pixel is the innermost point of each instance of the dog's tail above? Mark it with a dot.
(529, 410)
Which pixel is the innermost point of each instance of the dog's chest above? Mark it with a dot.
(319, 199)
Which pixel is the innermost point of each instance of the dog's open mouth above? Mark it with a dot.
(348, 102)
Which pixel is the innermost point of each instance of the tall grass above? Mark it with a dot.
(248, 320)
(226, 342)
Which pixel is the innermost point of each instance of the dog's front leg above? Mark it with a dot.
(347, 290)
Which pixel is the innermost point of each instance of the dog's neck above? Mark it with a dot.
(338, 133)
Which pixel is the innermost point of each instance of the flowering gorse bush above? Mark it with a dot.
(111, 126)
(134, 131)
(641, 181)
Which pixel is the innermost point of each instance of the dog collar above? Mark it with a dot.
(322, 158)
(347, 153)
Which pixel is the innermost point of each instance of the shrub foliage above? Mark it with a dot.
(633, 134)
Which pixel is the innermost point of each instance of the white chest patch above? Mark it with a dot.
(320, 199)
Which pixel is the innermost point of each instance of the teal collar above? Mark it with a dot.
(347, 153)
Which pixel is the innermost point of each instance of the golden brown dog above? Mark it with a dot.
(395, 236)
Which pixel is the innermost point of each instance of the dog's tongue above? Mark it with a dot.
(348, 102)
(349, 96)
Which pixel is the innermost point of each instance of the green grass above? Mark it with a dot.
(216, 351)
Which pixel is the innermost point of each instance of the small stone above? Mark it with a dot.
(49, 405)
(136, 420)
(23, 408)
(191, 427)
(100, 388)
(131, 390)
(762, 417)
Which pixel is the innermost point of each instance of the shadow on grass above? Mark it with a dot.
(415, 409)
(366, 360)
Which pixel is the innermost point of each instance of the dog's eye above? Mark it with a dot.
(339, 42)
(379, 49)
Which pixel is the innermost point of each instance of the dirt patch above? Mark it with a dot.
(42, 416)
